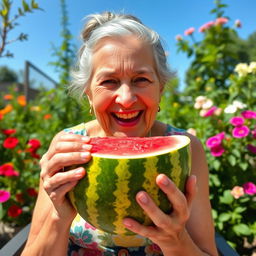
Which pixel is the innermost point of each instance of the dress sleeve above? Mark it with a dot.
(78, 129)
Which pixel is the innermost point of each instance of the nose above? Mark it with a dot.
(125, 95)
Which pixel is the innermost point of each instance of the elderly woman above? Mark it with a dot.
(122, 70)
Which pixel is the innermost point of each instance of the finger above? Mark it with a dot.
(136, 227)
(61, 178)
(159, 218)
(71, 146)
(61, 160)
(58, 195)
(175, 196)
(65, 137)
(191, 190)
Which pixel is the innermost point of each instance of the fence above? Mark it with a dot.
(35, 79)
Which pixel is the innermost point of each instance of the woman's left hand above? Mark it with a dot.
(169, 230)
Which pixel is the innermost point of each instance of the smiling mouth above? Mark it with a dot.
(127, 117)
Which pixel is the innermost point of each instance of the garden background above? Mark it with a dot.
(216, 102)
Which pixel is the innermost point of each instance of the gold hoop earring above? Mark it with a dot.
(91, 111)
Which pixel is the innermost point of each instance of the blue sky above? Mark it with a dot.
(167, 17)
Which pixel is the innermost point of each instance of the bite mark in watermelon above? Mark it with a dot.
(119, 169)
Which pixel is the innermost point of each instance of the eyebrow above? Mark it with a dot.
(110, 72)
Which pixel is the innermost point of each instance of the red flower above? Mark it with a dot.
(34, 154)
(32, 192)
(9, 131)
(10, 142)
(8, 170)
(19, 197)
(1, 116)
(14, 211)
(34, 144)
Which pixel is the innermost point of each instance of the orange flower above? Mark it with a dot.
(47, 116)
(8, 108)
(22, 100)
(8, 97)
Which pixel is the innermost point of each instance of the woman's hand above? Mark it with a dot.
(65, 150)
(169, 230)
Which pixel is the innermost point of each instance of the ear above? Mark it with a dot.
(161, 89)
(89, 95)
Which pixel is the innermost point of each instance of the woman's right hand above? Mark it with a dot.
(65, 150)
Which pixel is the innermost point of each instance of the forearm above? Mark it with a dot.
(186, 246)
(51, 240)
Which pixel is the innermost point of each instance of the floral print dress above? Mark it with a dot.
(85, 240)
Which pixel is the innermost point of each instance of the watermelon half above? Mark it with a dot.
(119, 169)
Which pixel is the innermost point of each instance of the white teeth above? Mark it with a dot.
(127, 116)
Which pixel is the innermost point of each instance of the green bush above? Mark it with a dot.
(26, 130)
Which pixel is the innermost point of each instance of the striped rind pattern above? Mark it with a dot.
(106, 195)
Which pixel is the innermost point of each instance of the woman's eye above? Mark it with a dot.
(109, 82)
(141, 80)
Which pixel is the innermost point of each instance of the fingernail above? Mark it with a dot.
(79, 171)
(84, 154)
(143, 198)
(86, 138)
(165, 181)
(127, 223)
(87, 146)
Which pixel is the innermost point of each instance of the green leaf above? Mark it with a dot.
(242, 229)
(239, 209)
(1, 211)
(232, 160)
(227, 198)
(216, 164)
(25, 6)
(223, 217)
(244, 165)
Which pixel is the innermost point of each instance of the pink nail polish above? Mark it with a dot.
(143, 198)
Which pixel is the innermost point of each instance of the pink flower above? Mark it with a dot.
(217, 150)
(213, 141)
(210, 112)
(249, 188)
(251, 148)
(189, 31)
(237, 192)
(221, 135)
(178, 37)
(249, 114)
(206, 26)
(237, 121)
(4, 196)
(238, 24)
(221, 21)
(240, 131)
(254, 134)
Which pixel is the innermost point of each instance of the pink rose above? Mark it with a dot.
(251, 148)
(237, 121)
(237, 192)
(4, 196)
(221, 21)
(249, 188)
(249, 114)
(217, 151)
(213, 142)
(240, 131)
(189, 31)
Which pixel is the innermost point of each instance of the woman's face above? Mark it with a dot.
(124, 88)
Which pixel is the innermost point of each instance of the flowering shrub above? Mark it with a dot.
(25, 133)
(218, 105)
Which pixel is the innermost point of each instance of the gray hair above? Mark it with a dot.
(108, 24)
